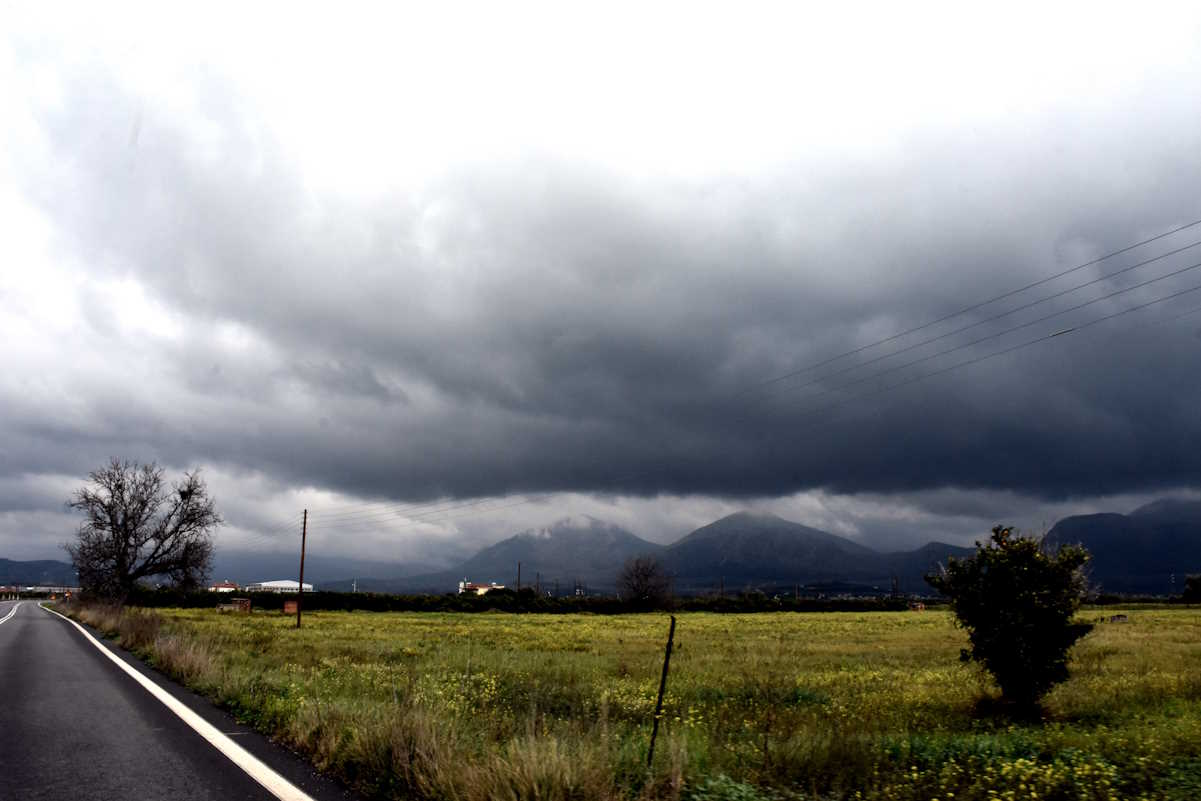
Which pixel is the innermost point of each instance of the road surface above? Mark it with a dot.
(73, 724)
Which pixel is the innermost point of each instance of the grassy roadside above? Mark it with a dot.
(842, 705)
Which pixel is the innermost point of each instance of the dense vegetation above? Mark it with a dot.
(767, 706)
(526, 600)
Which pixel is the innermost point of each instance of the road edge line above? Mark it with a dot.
(251, 765)
(12, 612)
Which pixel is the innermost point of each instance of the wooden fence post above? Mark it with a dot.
(671, 634)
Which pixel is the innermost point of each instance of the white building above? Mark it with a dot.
(469, 587)
(282, 585)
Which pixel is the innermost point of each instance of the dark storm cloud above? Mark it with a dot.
(539, 325)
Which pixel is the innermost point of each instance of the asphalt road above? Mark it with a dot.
(74, 725)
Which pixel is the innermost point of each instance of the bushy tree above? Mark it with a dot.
(1016, 599)
(1192, 589)
(136, 527)
(643, 581)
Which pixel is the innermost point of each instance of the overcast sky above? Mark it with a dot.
(520, 262)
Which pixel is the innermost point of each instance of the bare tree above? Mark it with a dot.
(136, 527)
(643, 580)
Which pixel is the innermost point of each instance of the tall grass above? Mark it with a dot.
(770, 706)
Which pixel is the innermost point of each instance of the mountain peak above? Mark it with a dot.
(749, 546)
(580, 547)
(750, 515)
(570, 526)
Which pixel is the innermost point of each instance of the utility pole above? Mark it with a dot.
(519, 576)
(304, 535)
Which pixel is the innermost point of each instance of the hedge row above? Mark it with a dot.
(509, 601)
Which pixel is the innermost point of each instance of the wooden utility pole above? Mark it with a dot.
(304, 535)
(519, 576)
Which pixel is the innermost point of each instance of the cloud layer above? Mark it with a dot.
(185, 286)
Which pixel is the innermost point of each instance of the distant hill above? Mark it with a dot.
(747, 548)
(43, 572)
(762, 551)
(1138, 552)
(911, 567)
(583, 549)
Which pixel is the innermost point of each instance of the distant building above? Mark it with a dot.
(48, 590)
(224, 586)
(282, 585)
(470, 587)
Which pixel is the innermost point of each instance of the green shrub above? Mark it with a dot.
(1016, 600)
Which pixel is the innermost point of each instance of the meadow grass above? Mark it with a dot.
(759, 706)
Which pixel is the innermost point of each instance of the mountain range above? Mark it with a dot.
(1149, 550)
(741, 551)
(43, 572)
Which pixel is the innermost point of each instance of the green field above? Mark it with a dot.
(762, 706)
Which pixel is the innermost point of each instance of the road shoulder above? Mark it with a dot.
(288, 764)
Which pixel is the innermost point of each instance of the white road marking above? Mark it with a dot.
(275, 784)
(11, 612)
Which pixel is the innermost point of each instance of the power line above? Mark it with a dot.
(279, 527)
(441, 506)
(975, 306)
(375, 510)
(1186, 313)
(398, 510)
(1044, 318)
(985, 320)
(431, 516)
(1011, 349)
(472, 512)
(354, 508)
(271, 533)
